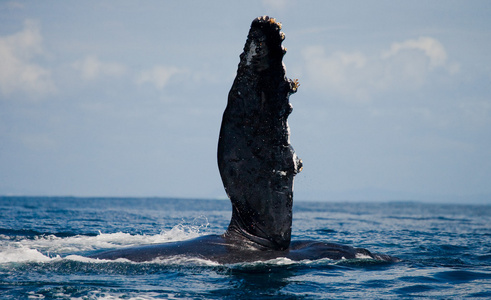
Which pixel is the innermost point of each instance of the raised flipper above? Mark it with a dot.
(256, 161)
(257, 165)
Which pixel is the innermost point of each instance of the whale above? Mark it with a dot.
(257, 165)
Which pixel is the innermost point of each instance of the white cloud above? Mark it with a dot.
(276, 4)
(335, 72)
(406, 65)
(18, 72)
(15, 5)
(92, 68)
(159, 76)
(40, 141)
(432, 48)
(476, 112)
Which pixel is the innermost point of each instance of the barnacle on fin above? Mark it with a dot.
(263, 18)
(296, 85)
(269, 20)
(273, 21)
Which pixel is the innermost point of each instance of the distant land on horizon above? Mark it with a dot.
(382, 195)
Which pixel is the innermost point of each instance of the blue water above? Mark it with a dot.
(445, 251)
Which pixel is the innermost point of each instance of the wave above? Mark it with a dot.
(37, 247)
(34, 246)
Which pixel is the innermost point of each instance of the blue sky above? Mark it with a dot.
(124, 98)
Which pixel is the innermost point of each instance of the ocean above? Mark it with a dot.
(445, 251)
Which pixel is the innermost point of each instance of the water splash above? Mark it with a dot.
(46, 248)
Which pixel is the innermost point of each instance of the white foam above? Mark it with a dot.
(85, 259)
(31, 250)
(140, 295)
(22, 254)
(183, 260)
(281, 261)
(362, 256)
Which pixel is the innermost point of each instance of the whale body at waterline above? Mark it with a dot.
(257, 165)
(226, 250)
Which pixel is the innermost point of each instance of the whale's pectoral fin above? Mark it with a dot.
(256, 161)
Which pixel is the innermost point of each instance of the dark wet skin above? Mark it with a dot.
(226, 251)
(257, 165)
(256, 161)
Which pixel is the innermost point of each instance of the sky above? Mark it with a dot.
(125, 98)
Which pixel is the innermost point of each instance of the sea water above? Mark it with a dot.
(445, 251)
